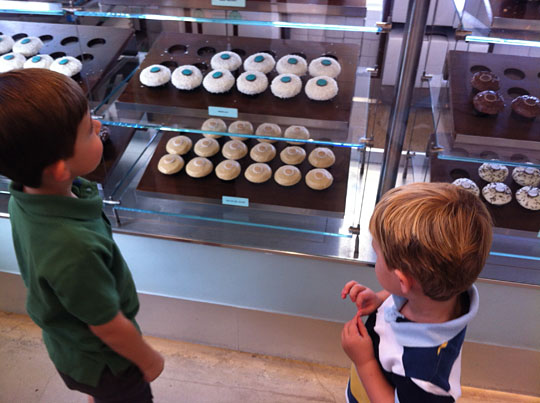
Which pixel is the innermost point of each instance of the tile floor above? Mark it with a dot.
(193, 373)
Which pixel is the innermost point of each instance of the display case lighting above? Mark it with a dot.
(30, 7)
(502, 41)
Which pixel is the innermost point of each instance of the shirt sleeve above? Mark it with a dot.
(85, 286)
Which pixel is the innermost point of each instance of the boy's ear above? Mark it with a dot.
(406, 282)
(58, 171)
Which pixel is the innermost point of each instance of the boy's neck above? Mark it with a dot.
(52, 188)
(422, 309)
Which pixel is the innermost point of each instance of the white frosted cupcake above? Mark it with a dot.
(214, 125)
(186, 77)
(179, 145)
(155, 75)
(296, 132)
(29, 46)
(170, 164)
(324, 66)
(286, 85)
(206, 147)
(263, 152)
(11, 61)
(226, 60)
(199, 167)
(234, 150)
(263, 62)
(322, 88)
(252, 82)
(493, 172)
(39, 62)
(69, 66)
(526, 176)
(227, 170)
(497, 193)
(529, 197)
(292, 64)
(258, 172)
(468, 185)
(287, 175)
(6, 43)
(218, 81)
(322, 157)
(270, 130)
(240, 127)
(319, 179)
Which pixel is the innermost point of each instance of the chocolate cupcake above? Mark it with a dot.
(488, 103)
(526, 106)
(484, 81)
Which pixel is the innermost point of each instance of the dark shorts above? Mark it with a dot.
(128, 386)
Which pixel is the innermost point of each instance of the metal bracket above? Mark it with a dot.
(426, 77)
(385, 27)
(373, 71)
(355, 230)
(367, 141)
(110, 202)
(461, 34)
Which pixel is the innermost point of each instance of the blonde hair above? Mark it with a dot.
(437, 233)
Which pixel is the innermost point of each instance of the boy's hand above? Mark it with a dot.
(154, 368)
(356, 342)
(366, 300)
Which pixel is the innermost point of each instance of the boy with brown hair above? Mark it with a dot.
(80, 289)
(431, 242)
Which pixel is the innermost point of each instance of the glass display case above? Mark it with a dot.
(334, 70)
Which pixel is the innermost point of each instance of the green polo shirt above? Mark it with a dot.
(75, 276)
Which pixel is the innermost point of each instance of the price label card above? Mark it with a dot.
(229, 3)
(223, 112)
(235, 201)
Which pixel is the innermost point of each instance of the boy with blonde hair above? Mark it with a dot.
(431, 242)
(80, 289)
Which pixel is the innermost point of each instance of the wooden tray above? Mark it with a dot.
(112, 152)
(518, 75)
(97, 47)
(511, 215)
(268, 193)
(173, 49)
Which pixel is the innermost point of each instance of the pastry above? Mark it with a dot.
(228, 170)
(199, 167)
(468, 185)
(240, 127)
(324, 66)
(218, 81)
(252, 82)
(226, 60)
(526, 106)
(293, 155)
(69, 66)
(186, 77)
(296, 132)
(319, 179)
(488, 103)
(292, 64)
(493, 172)
(286, 85)
(29, 46)
(214, 125)
(485, 80)
(529, 197)
(179, 145)
(322, 157)
(321, 88)
(206, 147)
(258, 172)
(170, 164)
(268, 129)
(526, 176)
(287, 175)
(497, 193)
(6, 44)
(38, 62)
(234, 150)
(263, 152)
(155, 75)
(11, 61)
(104, 134)
(263, 62)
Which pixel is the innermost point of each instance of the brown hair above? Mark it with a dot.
(437, 233)
(40, 111)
